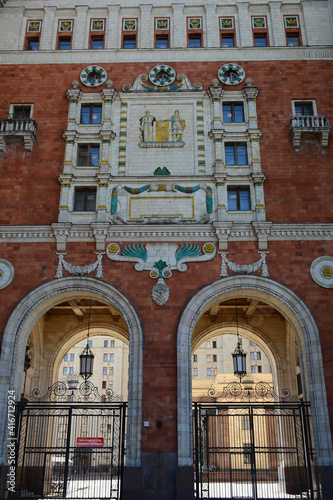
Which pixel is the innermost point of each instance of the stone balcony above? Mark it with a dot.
(309, 127)
(18, 131)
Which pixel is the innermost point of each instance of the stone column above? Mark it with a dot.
(48, 26)
(245, 28)
(79, 41)
(65, 181)
(112, 33)
(258, 181)
(222, 198)
(103, 189)
(250, 94)
(178, 26)
(279, 38)
(212, 31)
(145, 27)
(73, 95)
(215, 93)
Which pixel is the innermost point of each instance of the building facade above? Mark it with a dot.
(172, 165)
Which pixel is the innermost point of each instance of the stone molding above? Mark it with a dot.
(171, 55)
(221, 232)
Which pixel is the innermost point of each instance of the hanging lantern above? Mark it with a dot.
(86, 363)
(87, 356)
(239, 359)
(239, 355)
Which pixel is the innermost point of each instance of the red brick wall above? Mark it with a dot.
(297, 188)
(288, 263)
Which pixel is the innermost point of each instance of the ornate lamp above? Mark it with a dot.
(239, 355)
(87, 357)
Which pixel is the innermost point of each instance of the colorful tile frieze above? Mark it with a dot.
(194, 23)
(97, 25)
(129, 24)
(259, 22)
(291, 22)
(227, 23)
(66, 26)
(34, 26)
(162, 24)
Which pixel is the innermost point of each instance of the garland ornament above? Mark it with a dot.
(244, 268)
(80, 270)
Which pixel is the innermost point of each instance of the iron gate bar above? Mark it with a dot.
(280, 451)
(46, 438)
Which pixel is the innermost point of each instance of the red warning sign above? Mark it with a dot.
(82, 442)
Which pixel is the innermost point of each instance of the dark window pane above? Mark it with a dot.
(129, 42)
(162, 42)
(293, 40)
(91, 114)
(97, 43)
(85, 200)
(21, 112)
(232, 200)
(303, 108)
(228, 41)
(227, 113)
(64, 44)
(82, 155)
(32, 44)
(194, 41)
(260, 41)
(91, 201)
(238, 113)
(79, 201)
(230, 154)
(244, 200)
(241, 154)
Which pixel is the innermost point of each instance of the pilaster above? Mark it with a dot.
(112, 41)
(46, 38)
(81, 21)
(212, 30)
(145, 27)
(178, 26)
(245, 31)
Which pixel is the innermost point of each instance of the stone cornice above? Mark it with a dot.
(85, 57)
(221, 232)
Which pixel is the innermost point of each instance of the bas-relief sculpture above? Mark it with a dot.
(168, 131)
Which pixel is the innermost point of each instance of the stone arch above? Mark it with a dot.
(296, 313)
(78, 335)
(34, 305)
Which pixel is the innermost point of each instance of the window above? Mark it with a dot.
(32, 44)
(260, 33)
(238, 199)
(20, 112)
(194, 41)
(235, 154)
(162, 42)
(292, 29)
(233, 112)
(251, 343)
(214, 344)
(129, 42)
(208, 358)
(247, 454)
(195, 358)
(105, 370)
(129, 33)
(85, 201)
(72, 357)
(88, 155)
(246, 422)
(64, 371)
(97, 42)
(71, 370)
(209, 372)
(258, 355)
(195, 372)
(194, 32)
(112, 358)
(259, 369)
(303, 108)
(90, 343)
(253, 369)
(91, 114)
(66, 357)
(105, 357)
(112, 343)
(106, 343)
(227, 31)
(104, 384)
(214, 358)
(162, 33)
(251, 355)
(64, 43)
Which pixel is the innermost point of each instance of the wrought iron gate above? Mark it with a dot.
(70, 450)
(253, 451)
